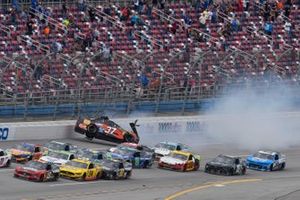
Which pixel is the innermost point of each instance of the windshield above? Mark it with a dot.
(166, 146)
(263, 156)
(223, 159)
(35, 165)
(25, 147)
(109, 164)
(89, 154)
(179, 156)
(56, 146)
(58, 155)
(77, 164)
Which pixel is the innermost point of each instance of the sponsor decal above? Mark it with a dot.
(4, 133)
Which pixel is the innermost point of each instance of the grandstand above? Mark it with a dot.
(69, 56)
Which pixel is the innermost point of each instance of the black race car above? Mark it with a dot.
(114, 169)
(105, 129)
(226, 165)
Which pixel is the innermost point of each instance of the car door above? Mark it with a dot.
(190, 163)
(276, 163)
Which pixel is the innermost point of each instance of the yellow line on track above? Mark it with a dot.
(208, 185)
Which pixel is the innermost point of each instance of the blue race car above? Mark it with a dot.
(138, 158)
(266, 161)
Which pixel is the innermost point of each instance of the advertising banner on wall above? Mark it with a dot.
(6, 133)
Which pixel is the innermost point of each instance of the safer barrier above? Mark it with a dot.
(148, 125)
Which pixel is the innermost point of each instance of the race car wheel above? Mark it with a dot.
(92, 129)
(55, 177)
(128, 174)
(128, 138)
(30, 158)
(98, 175)
(146, 164)
(243, 172)
(282, 166)
(7, 163)
(229, 172)
(83, 177)
(271, 167)
(41, 178)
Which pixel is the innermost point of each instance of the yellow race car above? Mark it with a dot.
(181, 161)
(81, 170)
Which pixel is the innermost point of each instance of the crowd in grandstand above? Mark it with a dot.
(159, 27)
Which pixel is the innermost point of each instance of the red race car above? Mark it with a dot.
(37, 171)
(104, 129)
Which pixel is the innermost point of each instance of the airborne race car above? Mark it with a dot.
(226, 165)
(180, 161)
(37, 171)
(5, 159)
(104, 129)
(266, 161)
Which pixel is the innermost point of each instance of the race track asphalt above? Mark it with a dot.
(158, 184)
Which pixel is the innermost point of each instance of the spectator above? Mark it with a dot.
(266, 11)
(162, 4)
(124, 14)
(92, 14)
(287, 8)
(202, 19)
(46, 31)
(187, 19)
(288, 28)
(268, 28)
(81, 5)
(134, 20)
(235, 25)
(29, 25)
(66, 22)
(64, 9)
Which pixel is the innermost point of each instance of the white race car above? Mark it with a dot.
(58, 157)
(165, 148)
(5, 159)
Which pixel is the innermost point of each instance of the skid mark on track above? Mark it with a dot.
(209, 185)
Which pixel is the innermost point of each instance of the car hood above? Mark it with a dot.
(29, 169)
(71, 169)
(171, 161)
(162, 151)
(53, 160)
(259, 160)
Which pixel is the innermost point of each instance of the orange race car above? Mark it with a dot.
(104, 129)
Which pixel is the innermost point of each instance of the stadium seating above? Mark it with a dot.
(150, 48)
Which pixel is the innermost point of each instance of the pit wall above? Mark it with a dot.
(148, 125)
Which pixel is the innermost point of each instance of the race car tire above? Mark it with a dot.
(16, 176)
(83, 177)
(55, 177)
(41, 179)
(115, 176)
(271, 167)
(30, 158)
(128, 174)
(282, 166)
(146, 164)
(197, 165)
(229, 172)
(98, 176)
(8, 163)
(92, 129)
(243, 172)
(128, 138)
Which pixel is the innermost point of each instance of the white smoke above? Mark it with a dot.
(255, 118)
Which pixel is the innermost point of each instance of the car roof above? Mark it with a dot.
(268, 152)
(229, 156)
(54, 141)
(62, 152)
(171, 143)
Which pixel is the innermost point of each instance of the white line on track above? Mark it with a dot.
(6, 170)
(76, 183)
